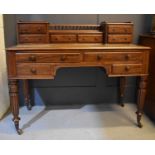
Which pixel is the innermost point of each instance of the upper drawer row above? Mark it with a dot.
(37, 28)
(78, 57)
(120, 29)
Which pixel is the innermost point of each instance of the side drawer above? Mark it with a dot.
(63, 38)
(135, 57)
(120, 69)
(28, 28)
(48, 57)
(115, 29)
(90, 38)
(114, 38)
(34, 69)
(33, 38)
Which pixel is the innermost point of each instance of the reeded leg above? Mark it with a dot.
(122, 90)
(141, 99)
(27, 94)
(13, 91)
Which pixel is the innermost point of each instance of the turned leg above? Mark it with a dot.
(13, 91)
(141, 98)
(27, 94)
(122, 90)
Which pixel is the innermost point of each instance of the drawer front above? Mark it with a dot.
(58, 38)
(90, 38)
(115, 29)
(34, 69)
(119, 38)
(48, 57)
(136, 57)
(120, 69)
(33, 39)
(32, 28)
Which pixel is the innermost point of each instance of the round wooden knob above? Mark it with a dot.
(127, 57)
(39, 29)
(33, 70)
(125, 38)
(125, 30)
(127, 68)
(32, 58)
(63, 58)
(96, 39)
(99, 57)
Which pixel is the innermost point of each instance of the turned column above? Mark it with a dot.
(27, 94)
(14, 101)
(122, 90)
(141, 98)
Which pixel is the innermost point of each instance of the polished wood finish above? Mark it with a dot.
(27, 94)
(118, 32)
(42, 60)
(33, 32)
(14, 102)
(125, 38)
(149, 40)
(122, 90)
(141, 98)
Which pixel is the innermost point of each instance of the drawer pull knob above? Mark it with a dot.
(63, 58)
(127, 57)
(39, 29)
(99, 57)
(32, 58)
(33, 70)
(127, 68)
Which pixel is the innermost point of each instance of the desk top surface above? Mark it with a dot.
(75, 46)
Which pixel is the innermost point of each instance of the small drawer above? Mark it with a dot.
(33, 38)
(136, 57)
(127, 69)
(34, 69)
(115, 29)
(63, 38)
(90, 38)
(28, 28)
(48, 57)
(119, 38)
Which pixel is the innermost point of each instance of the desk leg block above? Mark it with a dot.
(14, 101)
(27, 94)
(141, 99)
(122, 90)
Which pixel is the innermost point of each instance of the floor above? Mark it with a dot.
(104, 121)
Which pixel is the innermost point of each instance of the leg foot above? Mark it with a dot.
(139, 116)
(19, 131)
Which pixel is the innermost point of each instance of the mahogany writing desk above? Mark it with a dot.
(77, 48)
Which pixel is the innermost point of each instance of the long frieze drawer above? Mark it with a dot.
(48, 57)
(135, 57)
(127, 69)
(114, 38)
(90, 38)
(33, 38)
(34, 69)
(62, 38)
(114, 29)
(32, 28)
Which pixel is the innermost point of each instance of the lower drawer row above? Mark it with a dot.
(39, 70)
